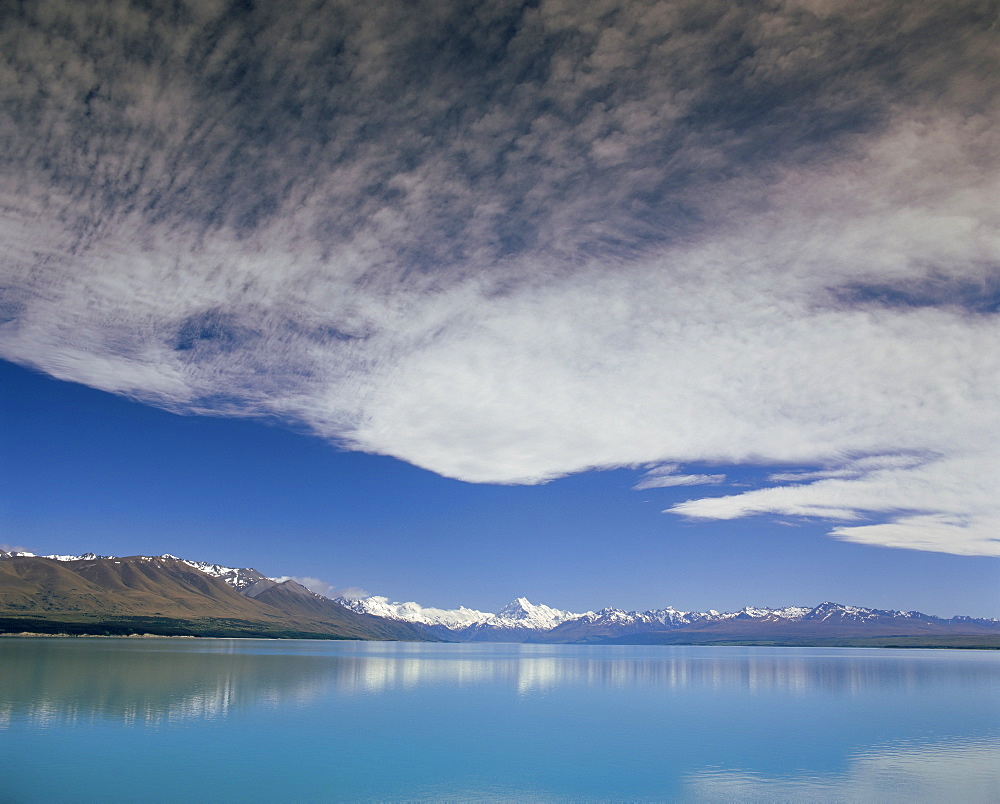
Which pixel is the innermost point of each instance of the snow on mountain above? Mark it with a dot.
(522, 616)
(25, 554)
(248, 581)
(793, 613)
(669, 617)
(838, 611)
(84, 557)
(540, 622)
(242, 579)
(518, 614)
(452, 619)
(673, 618)
(521, 613)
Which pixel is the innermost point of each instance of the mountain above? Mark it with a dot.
(522, 621)
(165, 594)
(293, 599)
(244, 580)
(449, 625)
(830, 624)
(168, 595)
(518, 621)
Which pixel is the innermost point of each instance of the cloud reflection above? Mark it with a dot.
(900, 772)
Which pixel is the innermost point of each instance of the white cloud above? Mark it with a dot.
(666, 476)
(585, 253)
(943, 504)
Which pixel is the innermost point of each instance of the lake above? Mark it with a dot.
(94, 719)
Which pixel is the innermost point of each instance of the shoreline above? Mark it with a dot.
(37, 634)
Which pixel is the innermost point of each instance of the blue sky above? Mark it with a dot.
(502, 263)
(85, 470)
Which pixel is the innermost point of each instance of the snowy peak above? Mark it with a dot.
(792, 613)
(519, 608)
(84, 557)
(838, 612)
(240, 578)
(521, 619)
(26, 554)
(452, 619)
(248, 581)
(522, 613)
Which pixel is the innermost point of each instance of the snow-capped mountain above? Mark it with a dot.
(835, 612)
(515, 621)
(243, 579)
(522, 613)
(452, 619)
(523, 621)
(519, 613)
(25, 554)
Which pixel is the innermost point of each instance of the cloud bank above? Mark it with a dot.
(515, 241)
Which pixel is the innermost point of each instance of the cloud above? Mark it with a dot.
(351, 593)
(941, 504)
(665, 476)
(509, 243)
(323, 588)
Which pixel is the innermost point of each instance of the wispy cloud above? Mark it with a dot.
(321, 587)
(946, 505)
(666, 476)
(508, 243)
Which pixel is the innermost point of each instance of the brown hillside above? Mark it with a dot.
(298, 602)
(116, 592)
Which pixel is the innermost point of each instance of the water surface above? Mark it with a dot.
(266, 720)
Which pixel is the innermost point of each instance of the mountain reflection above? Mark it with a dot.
(59, 681)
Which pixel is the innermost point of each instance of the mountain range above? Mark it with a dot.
(89, 593)
(827, 623)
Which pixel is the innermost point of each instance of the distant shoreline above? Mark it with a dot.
(21, 634)
(110, 636)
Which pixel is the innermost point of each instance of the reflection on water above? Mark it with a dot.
(901, 772)
(51, 681)
(62, 681)
(355, 721)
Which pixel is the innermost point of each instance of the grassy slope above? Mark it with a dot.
(160, 596)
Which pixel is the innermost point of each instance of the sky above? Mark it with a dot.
(601, 303)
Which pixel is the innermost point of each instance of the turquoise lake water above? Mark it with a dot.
(262, 720)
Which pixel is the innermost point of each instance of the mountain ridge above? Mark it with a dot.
(167, 586)
(611, 624)
(167, 595)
